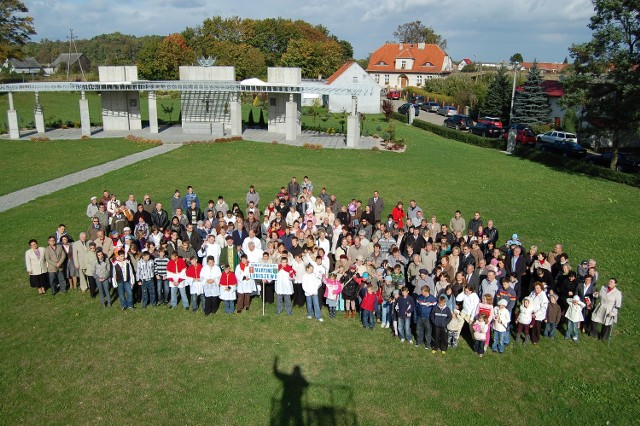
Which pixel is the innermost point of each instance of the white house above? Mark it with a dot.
(28, 66)
(397, 65)
(463, 63)
(353, 74)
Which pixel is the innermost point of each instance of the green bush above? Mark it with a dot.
(432, 96)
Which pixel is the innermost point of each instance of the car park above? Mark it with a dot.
(458, 122)
(523, 137)
(404, 108)
(393, 95)
(557, 136)
(486, 130)
(564, 148)
(626, 161)
(447, 110)
(430, 106)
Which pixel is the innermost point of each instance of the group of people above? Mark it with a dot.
(410, 274)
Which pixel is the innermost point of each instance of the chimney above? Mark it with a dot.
(400, 46)
(421, 46)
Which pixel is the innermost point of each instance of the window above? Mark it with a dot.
(419, 80)
(377, 78)
(272, 102)
(403, 65)
(355, 80)
(386, 79)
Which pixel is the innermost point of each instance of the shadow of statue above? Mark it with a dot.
(293, 388)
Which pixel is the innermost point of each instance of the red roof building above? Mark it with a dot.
(397, 65)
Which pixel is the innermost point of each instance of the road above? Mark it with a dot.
(429, 117)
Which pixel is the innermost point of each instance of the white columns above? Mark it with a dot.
(153, 113)
(12, 116)
(353, 125)
(39, 115)
(85, 118)
(235, 112)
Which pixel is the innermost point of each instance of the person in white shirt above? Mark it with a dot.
(210, 248)
(246, 285)
(501, 320)
(310, 286)
(251, 239)
(211, 283)
(284, 286)
(470, 301)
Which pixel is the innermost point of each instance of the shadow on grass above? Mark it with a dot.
(302, 403)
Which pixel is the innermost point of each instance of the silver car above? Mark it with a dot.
(448, 111)
(556, 136)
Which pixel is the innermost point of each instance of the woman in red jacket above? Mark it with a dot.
(398, 214)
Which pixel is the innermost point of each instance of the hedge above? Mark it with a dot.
(556, 161)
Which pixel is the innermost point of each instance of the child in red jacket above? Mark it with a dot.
(196, 284)
(368, 306)
(176, 274)
(228, 284)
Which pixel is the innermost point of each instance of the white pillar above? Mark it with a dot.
(12, 116)
(153, 113)
(39, 115)
(85, 118)
(235, 112)
(291, 120)
(353, 125)
(411, 113)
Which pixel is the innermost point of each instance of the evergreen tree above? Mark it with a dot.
(262, 123)
(531, 106)
(251, 121)
(498, 99)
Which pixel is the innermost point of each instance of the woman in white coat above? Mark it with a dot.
(36, 266)
(540, 302)
(606, 312)
(246, 285)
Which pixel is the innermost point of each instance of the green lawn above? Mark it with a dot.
(31, 163)
(68, 361)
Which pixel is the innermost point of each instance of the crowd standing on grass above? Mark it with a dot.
(407, 272)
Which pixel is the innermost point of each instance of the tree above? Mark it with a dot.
(498, 99)
(416, 32)
(15, 28)
(247, 60)
(606, 82)
(316, 58)
(516, 57)
(531, 106)
(161, 60)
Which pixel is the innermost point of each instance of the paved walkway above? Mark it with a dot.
(25, 195)
(174, 135)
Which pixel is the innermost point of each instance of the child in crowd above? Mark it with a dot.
(440, 317)
(145, 277)
(211, 285)
(480, 329)
(194, 277)
(394, 311)
(368, 306)
(385, 308)
(162, 283)
(284, 286)
(574, 317)
(486, 307)
(524, 321)
(424, 304)
(332, 293)
(228, 286)
(246, 285)
(405, 308)
(299, 267)
(501, 320)
(176, 274)
(310, 286)
(554, 315)
(454, 327)
(397, 276)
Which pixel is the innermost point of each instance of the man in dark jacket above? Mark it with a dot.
(440, 317)
(424, 304)
(159, 217)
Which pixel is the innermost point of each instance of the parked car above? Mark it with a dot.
(491, 120)
(564, 148)
(459, 122)
(557, 136)
(430, 106)
(626, 162)
(404, 108)
(447, 110)
(523, 137)
(417, 99)
(486, 130)
(393, 95)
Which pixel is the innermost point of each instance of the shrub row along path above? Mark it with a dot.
(172, 138)
(25, 195)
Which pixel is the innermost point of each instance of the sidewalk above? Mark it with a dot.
(25, 195)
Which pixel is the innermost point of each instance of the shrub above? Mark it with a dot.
(465, 137)
(262, 123)
(251, 122)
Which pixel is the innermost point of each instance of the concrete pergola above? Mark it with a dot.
(212, 92)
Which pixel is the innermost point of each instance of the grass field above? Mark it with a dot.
(36, 162)
(66, 360)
